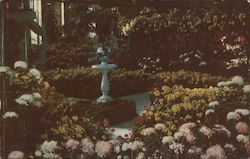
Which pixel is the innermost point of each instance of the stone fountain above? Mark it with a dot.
(105, 68)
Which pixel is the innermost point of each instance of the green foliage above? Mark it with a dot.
(68, 52)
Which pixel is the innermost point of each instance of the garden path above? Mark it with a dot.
(125, 129)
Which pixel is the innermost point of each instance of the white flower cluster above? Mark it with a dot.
(4, 69)
(47, 150)
(10, 115)
(178, 135)
(237, 114)
(133, 146)
(167, 140)
(213, 104)
(243, 112)
(243, 138)
(72, 144)
(178, 148)
(160, 126)
(103, 148)
(35, 73)
(246, 89)
(27, 99)
(149, 131)
(21, 64)
(209, 111)
(87, 146)
(238, 80)
(233, 116)
(230, 146)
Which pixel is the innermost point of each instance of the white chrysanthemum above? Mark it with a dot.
(242, 138)
(21, 102)
(38, 153)
(72, 144)
(87, 146)
(230, 146)
(37, 95)
(21, 64)
(246, 89)
(149, 131)
(10, 115)
(178, 135)
(141, 155)
(125, 146)
(233, 116)
(119, 157)
(49, 146)
(103, 148)
(178, 148)
(117, 149)
(92, 35)
(25, 99)
(36, 73)
(160, 126)
(194, 150)
(209, 111)
(136, 145)
(238, 80)
(167, 139)
(213, 104)
(243, 112)
(184, 130)
(4, 69)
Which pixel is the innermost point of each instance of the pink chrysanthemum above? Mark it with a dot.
(242, 128)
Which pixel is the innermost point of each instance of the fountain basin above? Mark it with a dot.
(104, 67)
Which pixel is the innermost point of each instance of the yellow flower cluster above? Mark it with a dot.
(69, 127)
(176, 105)
(189, 79)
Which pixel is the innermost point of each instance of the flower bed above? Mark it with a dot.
(34, 106)
(85, 82)
(188, 79)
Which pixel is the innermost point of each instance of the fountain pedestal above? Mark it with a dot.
(104, 67)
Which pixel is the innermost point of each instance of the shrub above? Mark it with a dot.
(85, 82)
(69, 52)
